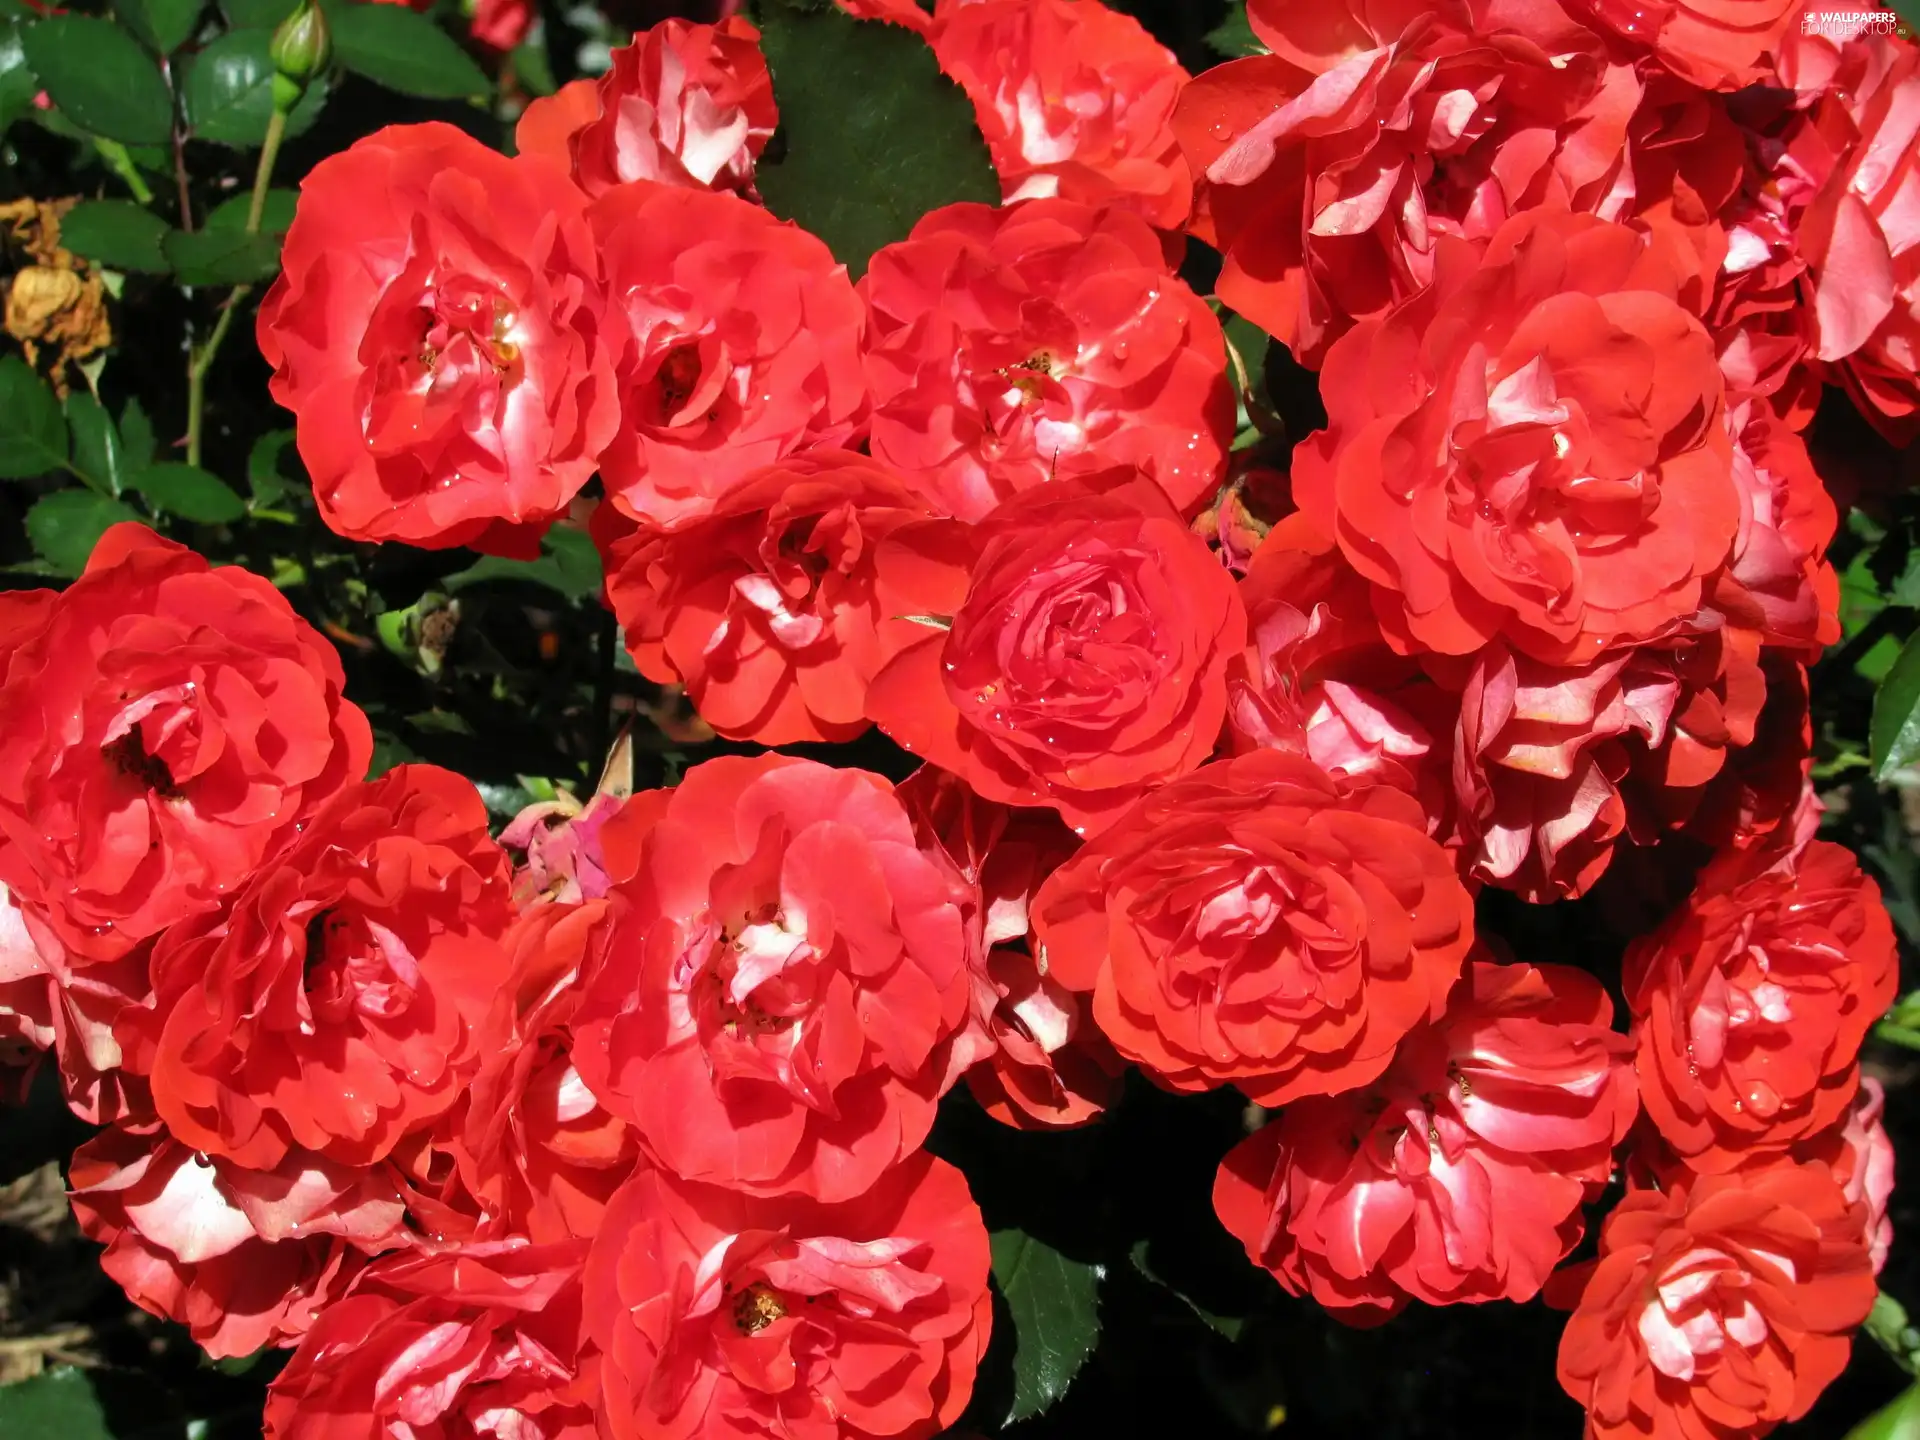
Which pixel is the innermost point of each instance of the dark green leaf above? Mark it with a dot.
(389, 750)
(166, 25)
(221, 257)
(189, 492)
(276, 216)
(17, 83)
(33, 436)
(875, 136)
(1228, 1326)
(1233, 37)
(117, 233)
(530, 64)
(101, 79)
(136, 436)
(1907, 10)
(97, 454)
(59, 1403)
(257, 14)
(229, 93)
(1894, 735)
(404, 51)
(1898, 1421)
(1249, 342)
(1056, 1317)
(263, 467)
(568, 563)
(64, 526)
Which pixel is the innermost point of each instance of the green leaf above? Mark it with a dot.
(117, 233)
(229, 93)
(1056, 1317)
(276, 216)
(1227, 1326)
(221, 257)
(17, 83)
(64, 527)
(33, 436)
(136, 436)
(60, 1402)
(1233, 37)
(189, 492)
(166, 25)
(530, 64)
(875, 136)
(1898, 1421)
(1894, 734)
(101, 79)
(97, 453)
(257, 14)
(263, 467)
(404, 51)
(389, 750)
(568, 564)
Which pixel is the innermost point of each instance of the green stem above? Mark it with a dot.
(121, 163)
(263, 173)
(202, 356)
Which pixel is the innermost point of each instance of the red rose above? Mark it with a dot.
(164, 728)
(1719, 44)
(1859, 234)
(501, 25)
(1075, 100)
(898, 12)
(767, 608)
(1333, 165)
(481, 1341)
(243, 1258)
(719, 1315)
(1751, 1003)
(786, 994)
(1069, 651)
(1860, 1156)
(1010, 347)
(332, 1007)
(1318, 680)
(683, 104)
(536, 1151)
(1049, 1068)
(557, 845)
(1459, 1174)
(1257, 924)
(1533, 448)
(736, 341)
(436, 331)
(1719, 1308)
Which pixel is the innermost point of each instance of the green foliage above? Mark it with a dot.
(101, 78)
(17, 83)
(1895, 733)
(404, 51)
(224, 256)
(1055, 1304)
(99, 457)
(58, 1403)
(189, 492)
(874, 135)
(64, 527)
(1898, 1421)
(228, 91)
(33, 435)
(1233, 37)
(165, 25)
(117, 233)
(568, 563)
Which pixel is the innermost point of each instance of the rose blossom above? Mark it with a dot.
(1459, 1174)
(736, 341)
(436, 331)
(683, 104)
(1258, 924)
(164, 727)
(899, 12)
(767, 609)
(1750, 1003)
(332, 1007)
(1069, 651)
(720, 1315)
(1333, 165)
(1551, 463)
(482, 1341)
(1050, 1068)
(243, 1258)
(1074, 99)
(1720, 1307)
(786, 994)
(1011, 347)
(1860, 1156)
(1717, 44)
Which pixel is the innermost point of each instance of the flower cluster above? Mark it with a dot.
(619, 1132)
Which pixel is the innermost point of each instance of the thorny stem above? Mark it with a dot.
(201, 358)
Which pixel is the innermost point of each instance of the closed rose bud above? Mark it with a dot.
(301, 48)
